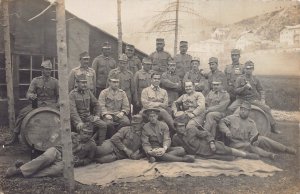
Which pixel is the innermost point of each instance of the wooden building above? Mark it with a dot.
(34, 41)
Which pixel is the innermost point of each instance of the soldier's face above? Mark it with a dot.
(155, 80)
(114, 84)
(137, 127)
(123, 64)
(85, 136)
(106, 51)
(85, 62)
(195, 65)
(213, 66)
(244, 112)
(129, 52)
(235, 58)
(248, 71)
(217, 87)
(189, 88)
(46, 72)
(172, 68)
(82, 85)
(180, 129)
(160, 46)
(152, 118)
(147, 66)
(183, 49)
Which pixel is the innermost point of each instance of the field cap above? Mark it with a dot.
(213, 60)
(246, 105)
(106, 45)
(249, 65)
(46, 64)
(151, 110)
(183, 43)
(84, 55)
(171, 62)
(81, 77)
(147, 60)
(195, 59)
(137, 119)
(160, 40)
(129, 47)
(235, 52)
(123, 57)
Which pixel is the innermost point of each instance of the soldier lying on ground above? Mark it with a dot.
(85, 108)
(202, 143)
(243, 135)
(156, 141)
(50, 162)
(43, 92)
(126, 143)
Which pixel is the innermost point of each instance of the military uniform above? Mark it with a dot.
(216, 75)
(81, 103)
(193, 103)
(134, 64)
(102, 66)
(90, 75)
(50, 162)
(198, 79)
(183, 62)
(142, 80)
(216, 103)
(111, 103)
(172, 83)
(232, 72)
(126, 82)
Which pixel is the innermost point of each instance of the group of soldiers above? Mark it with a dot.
(162, 108)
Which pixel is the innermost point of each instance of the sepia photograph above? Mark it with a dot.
(149, 96)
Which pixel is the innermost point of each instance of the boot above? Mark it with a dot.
(152, 159)
(273, 156)
(252, 156)
(290, 150)
(12, 171)
(274, 129)
(18, 163)
(188, 158)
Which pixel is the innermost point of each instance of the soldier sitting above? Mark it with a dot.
(191, 106)
(83, 69)
(242, 134)
(156, 97)
(171, 82)
(248, 88)
(43, 92)
(50, 163)
(114, 107)
(216, 102)
(126, 143)
(195, 76)
(85, 109)
(202, 143)
(156, 141)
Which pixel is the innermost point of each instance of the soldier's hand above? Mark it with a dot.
(136, 155)
(32, 96)
(229, 135)
(179, 113)
(263, 101)
(212, 146)
(80, 126)
(128, 152)
(96, 118)
(191, 115)
(160, 151)
(120, 115)
(109, 117)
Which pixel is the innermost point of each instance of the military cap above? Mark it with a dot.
(160, 40)
(123, 57)
(129, 47)
(147, 60)
(84, 55)
(181, 120)
(171, 62)
(249, 65)
(87, 129)
(246, 105)
(114, 79)
(195, 59)
(46, 64)
(151, 110)
(137, 119)
(216, 82)
(235, 52)
(183, 43)
(81, 77)
(213, 60)
(106, 45)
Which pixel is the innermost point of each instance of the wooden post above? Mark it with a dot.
(8, 66)
(176, 28)
(63, 95)
(120, 42)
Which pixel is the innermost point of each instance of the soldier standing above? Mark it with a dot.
(85, 109)
(216, 102)
(232, 71)
(183, 60)
(215, 73)
(134, 63)
(83, 69)
(248, 88)
(102, 65)
(171, 82)
(126, 78)
(160, 57)
(142, 80)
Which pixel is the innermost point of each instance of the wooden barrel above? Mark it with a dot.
(41, 128)
(261, 120)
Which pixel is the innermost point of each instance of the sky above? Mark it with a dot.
(137, 16)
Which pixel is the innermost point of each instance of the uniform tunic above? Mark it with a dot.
(160, 61)
(90, 76)
(183, 64)
(172, 83)
(142, 80)
(134, 64)
(232, 72)
(217, 75)
(198, 79)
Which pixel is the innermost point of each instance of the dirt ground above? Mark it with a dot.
(287, 181)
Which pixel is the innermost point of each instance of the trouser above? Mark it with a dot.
(195, 122)
(114, 124)
(48, 164)
(100, 127)
(211, 120)
(246, 146)
(173, 154)
(238, 102)
(168, 119)
(105, 153)
(269, 144)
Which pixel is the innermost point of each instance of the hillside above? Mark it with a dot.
(267, 25)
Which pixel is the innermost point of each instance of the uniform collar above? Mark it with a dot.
(154, 88)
